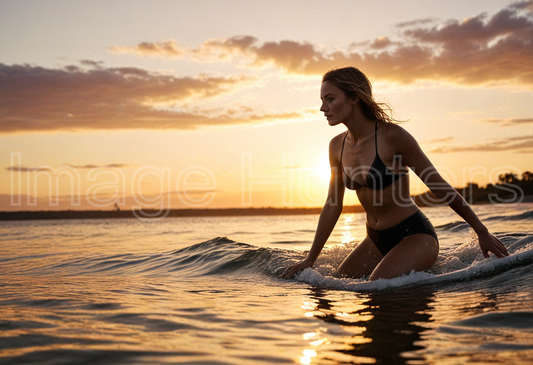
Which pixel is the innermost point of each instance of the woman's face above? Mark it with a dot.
(336, 106)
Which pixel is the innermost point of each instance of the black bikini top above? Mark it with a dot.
(378, 176)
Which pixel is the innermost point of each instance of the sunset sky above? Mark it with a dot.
(210, 104)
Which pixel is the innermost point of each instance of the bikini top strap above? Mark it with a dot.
(342, 149)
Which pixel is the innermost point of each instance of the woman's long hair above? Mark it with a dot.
(355, 83)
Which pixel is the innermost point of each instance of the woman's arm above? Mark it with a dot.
(415, 158)
(328, 216)
(326, 223)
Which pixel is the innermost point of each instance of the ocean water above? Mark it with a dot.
(206, 291)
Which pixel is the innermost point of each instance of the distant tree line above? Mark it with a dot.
(513, 178)
(509, 189)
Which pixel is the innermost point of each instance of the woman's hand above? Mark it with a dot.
(489, 243)
(293, 269)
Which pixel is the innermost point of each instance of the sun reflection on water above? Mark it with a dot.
(347, 227)
(308, 355)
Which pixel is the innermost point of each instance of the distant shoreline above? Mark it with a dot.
(506, 192)
(122, 214)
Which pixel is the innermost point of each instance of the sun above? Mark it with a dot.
(323, 169)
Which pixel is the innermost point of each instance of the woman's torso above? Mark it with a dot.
(383, 191)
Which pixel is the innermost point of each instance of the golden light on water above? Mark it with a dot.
(347, 235)
(308, 305)
(308, 355)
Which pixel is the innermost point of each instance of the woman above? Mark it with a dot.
(372, 157)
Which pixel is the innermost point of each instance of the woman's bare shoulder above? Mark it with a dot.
(400, 141)
(396, 133)
(392, 129)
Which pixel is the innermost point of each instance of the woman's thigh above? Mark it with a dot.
(361, 261)
(417, 252)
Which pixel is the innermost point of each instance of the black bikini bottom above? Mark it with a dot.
(386, 239)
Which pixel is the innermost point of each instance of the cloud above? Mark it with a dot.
(417, 22)
(441, 140)
(73, 98)
(212, 50)
(92, 166)
(27, 169)
(292, 56)
(169, 49)
(66, 166)
(475, 51)
(509, 121)
(514, 144)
